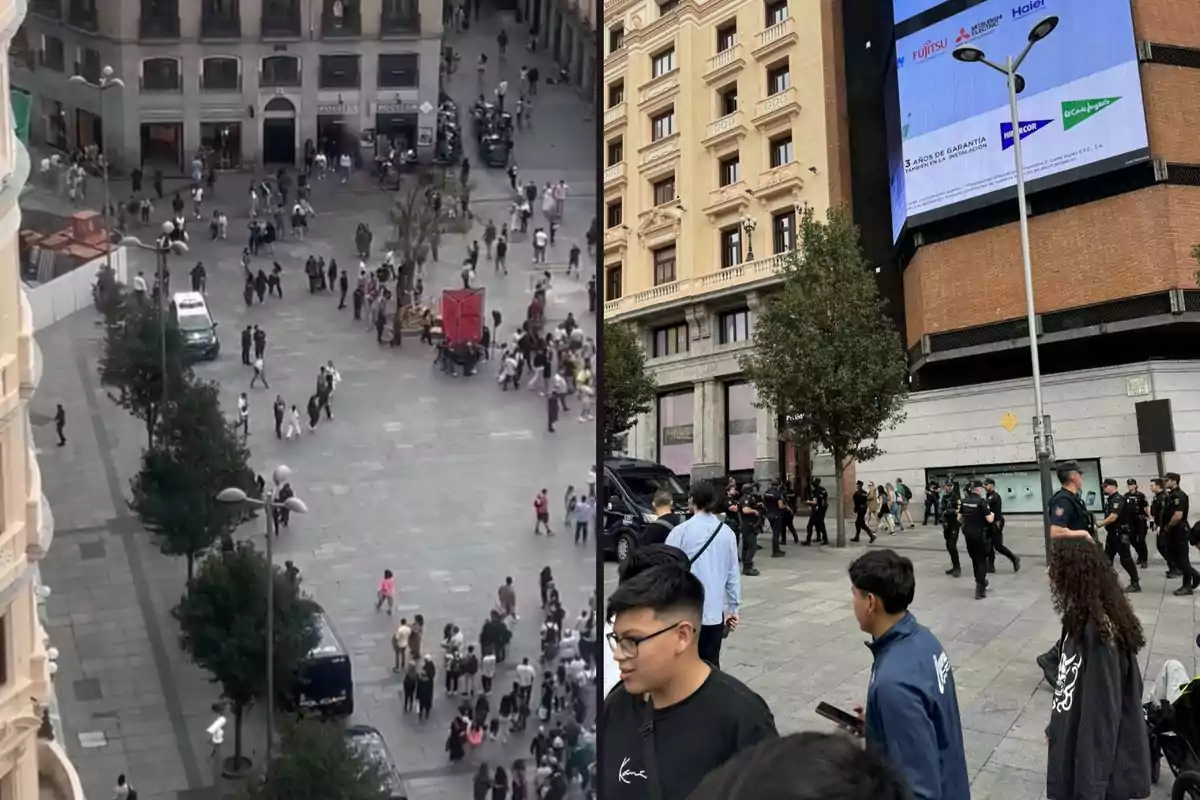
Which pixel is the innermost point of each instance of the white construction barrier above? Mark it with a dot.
(66, 294)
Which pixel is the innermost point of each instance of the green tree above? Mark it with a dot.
(223, 624)
(131, 364)
(196, 453)
(318, 762)
(826, 356)
(108, 293)
(628, 388)
(418, 222)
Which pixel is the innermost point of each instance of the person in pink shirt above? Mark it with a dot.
(387, 592)
(541, 507)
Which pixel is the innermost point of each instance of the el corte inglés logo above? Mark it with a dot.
(1077, 111)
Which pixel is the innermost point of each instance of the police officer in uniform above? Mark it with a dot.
(975, 516)
(773, 500)
(1118, 524)
(861, 501)
(1069, 519)
(1175, 528)
(1159, 495)
(1138, 506)
(818, 502)
(948, 514)
(995, 531)
(750, 521)
(789, 513)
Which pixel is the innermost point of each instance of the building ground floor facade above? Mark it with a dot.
(568, 36)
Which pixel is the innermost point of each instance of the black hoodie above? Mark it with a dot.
(1098, 746)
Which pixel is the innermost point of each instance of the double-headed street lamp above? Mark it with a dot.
(104, 84)
(1043, 440)
(269, 504)
(166, 243)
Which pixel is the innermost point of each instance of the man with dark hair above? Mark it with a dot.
(637, 562)
(673, 718)
(911, 714)
(711, 550)
(1175, 528)
(975, 515)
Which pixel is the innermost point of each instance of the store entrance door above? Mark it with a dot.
(279, 132)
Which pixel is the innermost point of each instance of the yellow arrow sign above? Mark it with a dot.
(1009, 422)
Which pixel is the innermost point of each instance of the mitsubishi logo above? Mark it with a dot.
(962, 36)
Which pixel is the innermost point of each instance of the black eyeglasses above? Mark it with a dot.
(628, 645)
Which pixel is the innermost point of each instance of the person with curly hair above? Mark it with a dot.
(1096, 738)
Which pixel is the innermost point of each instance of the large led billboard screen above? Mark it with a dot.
(1080, 113)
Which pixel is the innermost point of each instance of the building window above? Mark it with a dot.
(662, 125)
(662, 63)
(82, 14)
(341, 18)
(616, 93)
(400, 16)
(616, 151)
(729, 170)
(54, 55)
(676, 431)
(221, 19)
(664, 191)
(783, 231)
(726, 36)
(779, 78)
(612, 282)
(781, 150)
(731, 247)
(671, 340)
(399, 71)
(160, 75)
(776, 12)
(664, 265)
(159, 19)
(616, 38)
(338, 72)
(282, 19)
(667, 6)
(221, 73)
(280, 71)
(88, 64)
(612, 214)
(734, 326)
(741, 428)
(727, 100)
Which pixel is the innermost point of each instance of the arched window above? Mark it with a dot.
(280, 105)
(280, 71)
(160, 75)
(221, 74)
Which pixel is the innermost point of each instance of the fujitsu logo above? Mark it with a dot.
(931, 48)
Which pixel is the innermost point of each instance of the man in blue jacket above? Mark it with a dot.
(911, 716)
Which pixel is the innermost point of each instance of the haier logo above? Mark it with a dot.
(899, 62)
(931, 48)
(1025, 9)
(1027, 130)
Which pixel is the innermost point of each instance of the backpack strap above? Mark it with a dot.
(696, 557)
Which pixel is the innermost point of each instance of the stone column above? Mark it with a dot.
(708, 427)
(766, 441)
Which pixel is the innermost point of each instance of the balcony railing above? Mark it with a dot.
(774, 33)
(281, 21)
(394, 21)
(158, 27)
(220, 26)
(348, 25)
(615, 172)
(614, 114)
(725, 124)
(763, 269)
(82, 14)
(221, 84)
(724, 58)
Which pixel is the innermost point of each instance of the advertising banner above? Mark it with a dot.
(1080, 113)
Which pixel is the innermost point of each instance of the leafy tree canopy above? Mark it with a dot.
(628, 389)
(196, 453)
(131, 364)
(318, 762)
(826, 356)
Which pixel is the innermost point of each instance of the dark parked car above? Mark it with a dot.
(370, 744)
(326, 678)
(627, 497)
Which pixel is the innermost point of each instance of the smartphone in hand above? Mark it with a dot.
(845, 719)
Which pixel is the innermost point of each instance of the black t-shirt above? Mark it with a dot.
(1068, 511)
(690, 739)
(860, 501)
(658, 531)
(974, 510)
(822, 497)
(1177, 500)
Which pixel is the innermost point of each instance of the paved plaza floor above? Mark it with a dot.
(798, 643)
(430, 476)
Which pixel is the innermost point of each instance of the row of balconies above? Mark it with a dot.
(396, 18)
(767, 113)
(749, 272)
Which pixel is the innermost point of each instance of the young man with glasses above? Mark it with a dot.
(673, 719)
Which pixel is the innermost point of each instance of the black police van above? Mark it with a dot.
(326, 681)
(628, 495)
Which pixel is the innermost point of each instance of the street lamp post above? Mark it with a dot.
(1043, 439)
(748, 225)
(279, 477)
(106, 82)
(161, 247)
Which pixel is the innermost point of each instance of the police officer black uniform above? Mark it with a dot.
(750, 521)
(1175, 528)
(861, 502)
(975, 516)
(1138, 508)
(818, 502)
(1159, 495)
(1118, 523)
(773, 500)
(995, 530)
(948, 514)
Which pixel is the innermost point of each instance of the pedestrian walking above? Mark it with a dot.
(387, 592)
(400, 645)
(294, 427)
(60, 422)
(244, 414)
(280, 409)
(259, 375)
(541, 510)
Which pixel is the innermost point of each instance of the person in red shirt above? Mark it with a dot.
(541, 507)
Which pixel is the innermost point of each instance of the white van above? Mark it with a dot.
(196, 325)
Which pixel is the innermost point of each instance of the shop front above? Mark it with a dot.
(54, 117)
(162, 145)
(1020, 484)
(395, 126)
(279, 132)
(89, 129)
(676, 432)
(337, 129)
(223, 143)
